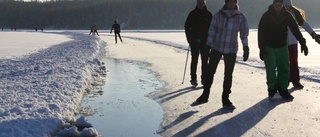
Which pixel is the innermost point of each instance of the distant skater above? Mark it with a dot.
(93, 30)
(116, 28)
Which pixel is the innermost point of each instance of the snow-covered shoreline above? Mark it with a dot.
(43, 90)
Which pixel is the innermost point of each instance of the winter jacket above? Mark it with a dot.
(273, 29)
(224, 29)
(301, 22)
(116, 28)
(197, 25)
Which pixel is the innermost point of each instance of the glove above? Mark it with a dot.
(245, 53)
(262, 53)
(316, 37)
(304, 48)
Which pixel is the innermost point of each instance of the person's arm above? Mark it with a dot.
(188, 29)
(111, 29)
(296, 32)
(212, 30)
(244, 32)
(262, 30)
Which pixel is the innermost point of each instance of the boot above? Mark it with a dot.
(286, 95)
(297, 85)
(194, 83)
(226, 103)
(271, 93)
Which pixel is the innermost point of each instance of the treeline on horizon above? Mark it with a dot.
(131, 14)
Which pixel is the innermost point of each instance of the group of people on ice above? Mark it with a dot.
(214, 36)
(115, 27)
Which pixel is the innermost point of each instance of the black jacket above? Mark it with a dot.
(197, 25)
(273, 29)
(116, 28)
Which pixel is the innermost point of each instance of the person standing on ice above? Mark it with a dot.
(299, 17)
(223, 40)
(196, 30)
(116, 27)
(272, 41)
(94, 30)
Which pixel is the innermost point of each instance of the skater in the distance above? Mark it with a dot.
(116, 28)
(300, 18)
(94, 30)
(226, 25)
(272, 41)
(196, 30)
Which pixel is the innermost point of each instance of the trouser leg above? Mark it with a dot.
(120, 37)
(294, 68)
(194, 61)
(283, 67)
(214, 60)
(115, 37)
(230, 60)
(204, 52)
(270, 65)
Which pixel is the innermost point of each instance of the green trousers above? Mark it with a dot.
(277, 66)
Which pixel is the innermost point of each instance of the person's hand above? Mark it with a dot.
(245, 53)
(316, 37)
(304, 49)
(262, 53)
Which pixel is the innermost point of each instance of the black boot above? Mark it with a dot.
(226, 103)
(286, 95)
(297, 85)
(271, 93)
(202, 99)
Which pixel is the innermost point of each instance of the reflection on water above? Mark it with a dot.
(122, 109)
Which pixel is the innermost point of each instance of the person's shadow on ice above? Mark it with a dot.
(174, 94)
(237, 125)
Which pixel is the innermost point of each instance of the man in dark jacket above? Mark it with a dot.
(196, 29)
(272, 40)
(116, 27)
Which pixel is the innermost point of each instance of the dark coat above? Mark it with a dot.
(116, 28)
(273, 29)
(197, 25)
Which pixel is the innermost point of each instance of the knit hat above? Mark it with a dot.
(287, 2)
(201, 1)
(274, 1)
(226, 1)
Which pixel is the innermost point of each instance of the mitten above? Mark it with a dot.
(316, 37)
(263, 53)
(245, 52)
(304, 48)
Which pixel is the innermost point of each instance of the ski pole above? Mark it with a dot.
(185, 66)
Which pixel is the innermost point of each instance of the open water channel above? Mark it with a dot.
(122, 109)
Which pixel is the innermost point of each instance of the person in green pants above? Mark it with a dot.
(272, 41)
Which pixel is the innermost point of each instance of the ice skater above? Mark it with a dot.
(272, 41)
(300, 18)
(116, 28)
(196, 30)
(226, 25)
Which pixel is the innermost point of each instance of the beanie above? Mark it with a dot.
(287, 2)
(226, 1)
(201, 1)
(281, 1)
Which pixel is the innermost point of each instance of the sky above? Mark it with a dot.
(43, 81)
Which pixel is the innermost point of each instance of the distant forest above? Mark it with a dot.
(131, 14)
